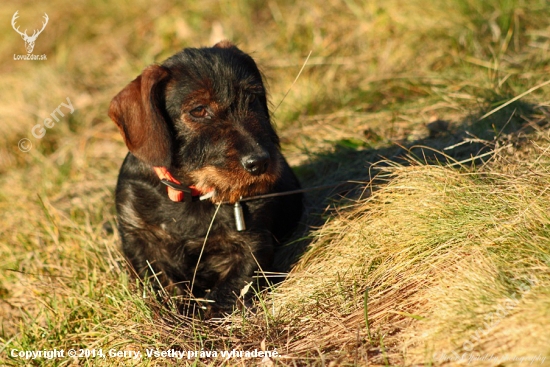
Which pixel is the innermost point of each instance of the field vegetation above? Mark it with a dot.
(435, 252)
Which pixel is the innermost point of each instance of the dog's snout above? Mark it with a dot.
(256, 164)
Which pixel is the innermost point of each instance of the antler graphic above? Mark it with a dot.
(15, 16)
(29, 41)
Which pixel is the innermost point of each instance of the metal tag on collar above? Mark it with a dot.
(239, 217)
(186, 190)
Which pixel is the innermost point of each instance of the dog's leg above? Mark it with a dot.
(241, 271)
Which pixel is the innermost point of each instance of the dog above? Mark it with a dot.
(200, 140)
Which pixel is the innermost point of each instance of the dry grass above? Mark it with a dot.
(455, 262)
(455, 257)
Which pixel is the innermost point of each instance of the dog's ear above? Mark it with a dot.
(225, 44)
(137, 111)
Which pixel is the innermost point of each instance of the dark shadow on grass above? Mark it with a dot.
(471, 141)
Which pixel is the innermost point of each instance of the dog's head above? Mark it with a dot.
(203, 115)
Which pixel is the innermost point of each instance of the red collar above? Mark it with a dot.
(173, 193)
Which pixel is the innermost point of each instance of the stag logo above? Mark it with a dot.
(29, 40)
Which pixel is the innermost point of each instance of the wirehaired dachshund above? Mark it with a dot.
(191, 200)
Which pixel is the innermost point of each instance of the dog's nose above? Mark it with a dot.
(256, 164)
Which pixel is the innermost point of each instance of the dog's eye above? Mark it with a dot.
(199, 112)
(252, 98)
